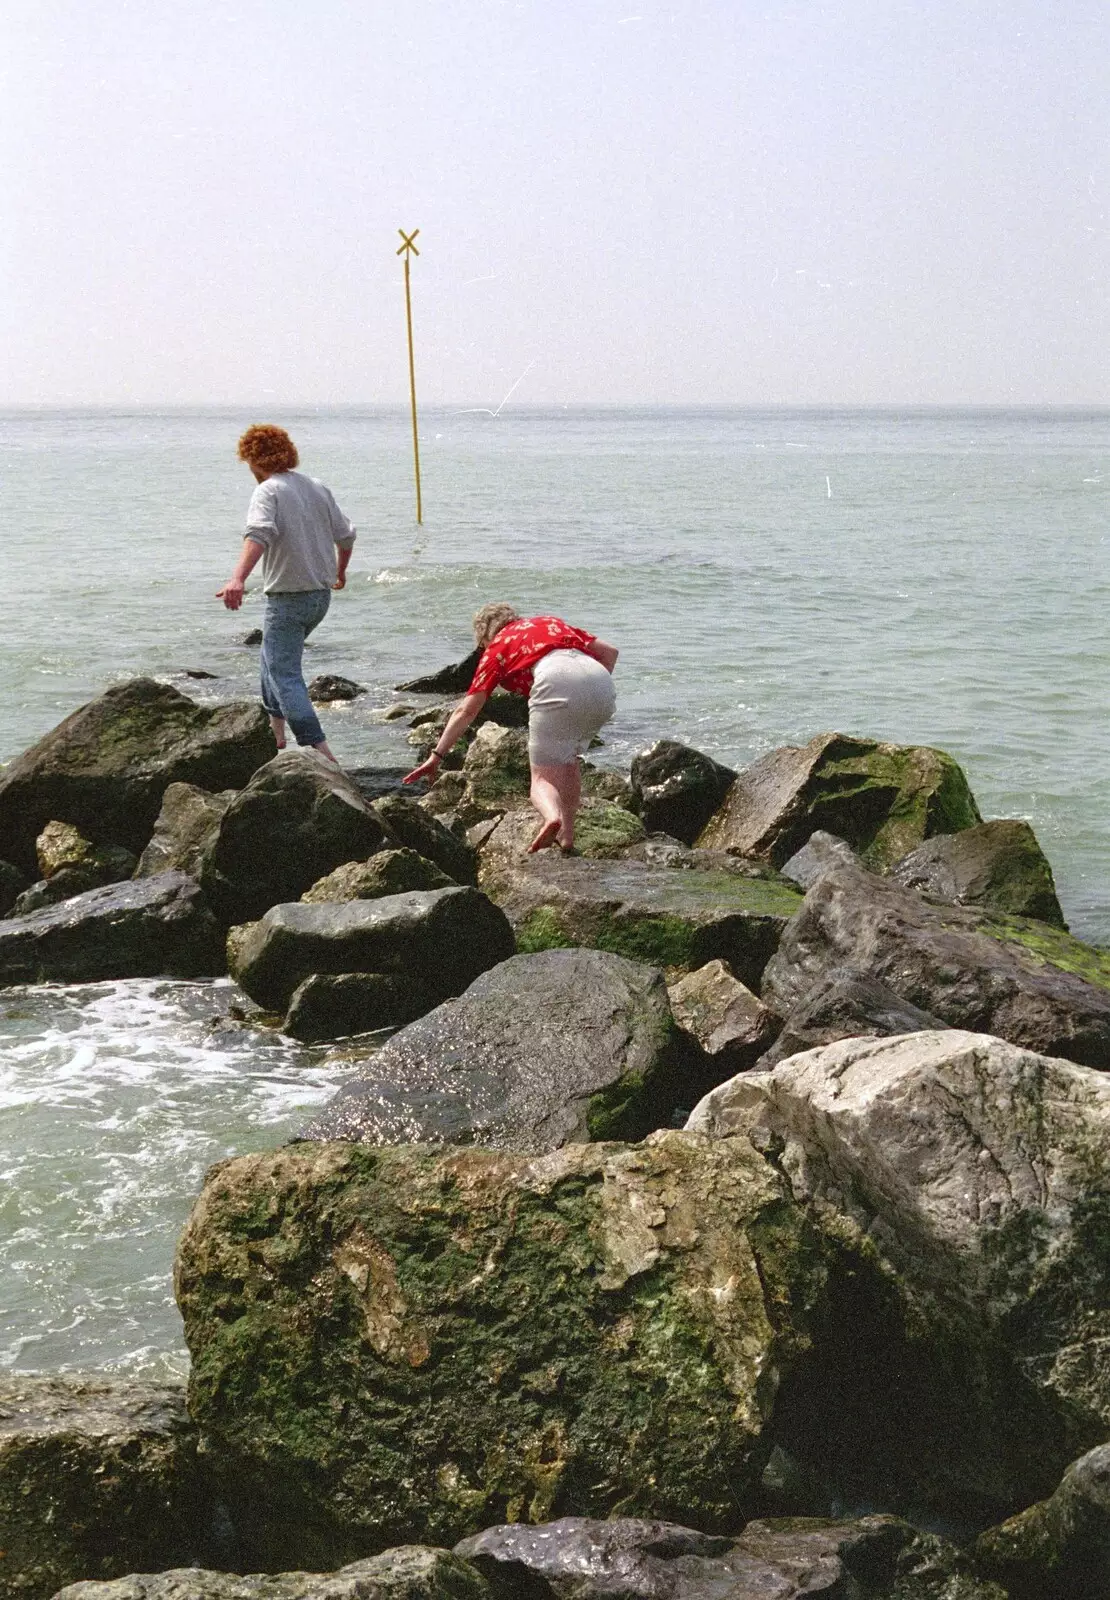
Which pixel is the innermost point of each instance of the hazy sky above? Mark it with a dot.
(620, 200)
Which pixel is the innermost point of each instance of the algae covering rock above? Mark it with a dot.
(669, 917)
(868, 1558)
(495, 777)
(401, 1343)
(603, 831)
(389, 872)
(410, 826)
(883, 799)
(975, 1177)
(412, 1572)
(676, 790)
(998, 865)
(434, 941)
(544, 1050)
(299, 818)
(1022, 980)
(157, 927)
(97, 1478)
(185, 827)
(1060, 1548)
(107, 766)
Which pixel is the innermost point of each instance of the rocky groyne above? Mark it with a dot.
(723, 1210)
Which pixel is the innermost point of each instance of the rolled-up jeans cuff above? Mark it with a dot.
(306, 730)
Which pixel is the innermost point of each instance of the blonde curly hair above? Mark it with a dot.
(490, 619)
(269, 448)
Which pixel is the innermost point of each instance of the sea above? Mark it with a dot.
(921, 576)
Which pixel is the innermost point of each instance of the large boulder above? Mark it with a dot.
(1058, 1549)
(998, 865)
(1022, 980)
(148, 928)
(107, 766)
(883, 799)
(185, 827)
(625, 1558)
(731, 1025)
(98, 1477)
(412, 1572)
(435, 941)
(669, 917)
(389, 872)
(975, 1177)
(545, 1050)
(676, 790)
(411, 827)
(846, 1004)
(401, 1343)
(298, 818)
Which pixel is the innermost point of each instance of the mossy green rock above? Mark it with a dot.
(884, 799)
(388, 872)
(97, 1478)
(603, 831)
(1058, 1549)
(107, 766)
(996, 865)
(408, 1344)
(669, 917)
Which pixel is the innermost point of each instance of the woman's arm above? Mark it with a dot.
(605, 653)
(457, 724)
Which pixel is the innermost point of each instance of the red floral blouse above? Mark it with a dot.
(510, 659)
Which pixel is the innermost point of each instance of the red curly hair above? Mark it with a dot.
(268, 448)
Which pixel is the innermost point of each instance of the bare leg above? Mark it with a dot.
(326, 751)
(278, 725)
(556, 792)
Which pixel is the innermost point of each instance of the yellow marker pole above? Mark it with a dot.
(407, 248)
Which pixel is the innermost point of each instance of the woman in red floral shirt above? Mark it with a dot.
(567, 676)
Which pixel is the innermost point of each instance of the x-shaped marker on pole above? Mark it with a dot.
(408, 244)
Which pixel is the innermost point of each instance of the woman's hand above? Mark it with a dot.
(426, 769)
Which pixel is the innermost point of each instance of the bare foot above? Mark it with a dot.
(545, 837)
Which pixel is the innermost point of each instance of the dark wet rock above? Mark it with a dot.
(252, 639)
(146, 928)
(106, 768)
(1058, 1549)
(185, 827)
(578, 1558)
(998, 865)
(12, 884)
(846, 1004)
(109, 863)
(299, 818)
(331, 686)
(603, 1326)
(409, 825)
(434, 941)
(544, 1050)
(199, 673)
(729, 1023)
(973, 1178)
(667, 917)
(98, 1477)
(1021, 980)
(883, 799)
(676, 790)
(412, 1572)
(389, 872)
(821, 853)
(339, 1005)
(454, 679)
(374, 782)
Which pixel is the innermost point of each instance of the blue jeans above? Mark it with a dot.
(286, 624)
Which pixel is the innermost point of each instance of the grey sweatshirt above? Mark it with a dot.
(297, 522)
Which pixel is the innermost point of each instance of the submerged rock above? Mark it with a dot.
(98, 1477)
(731, 1024)
(106, 768)
(388, 872)
(676, 790)
(1021, 980)
(869, 1558)
(602, 1327)
(542, 1051)
(998, 865)
(186, 826)
(149, 928)
(883, 799)
(299, 818)
(976, 1176)
(434, 942)
(669, 917)
(412, 1572)
(331, 686)
(1060, 1548)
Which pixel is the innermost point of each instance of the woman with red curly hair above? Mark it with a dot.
(295, 528)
